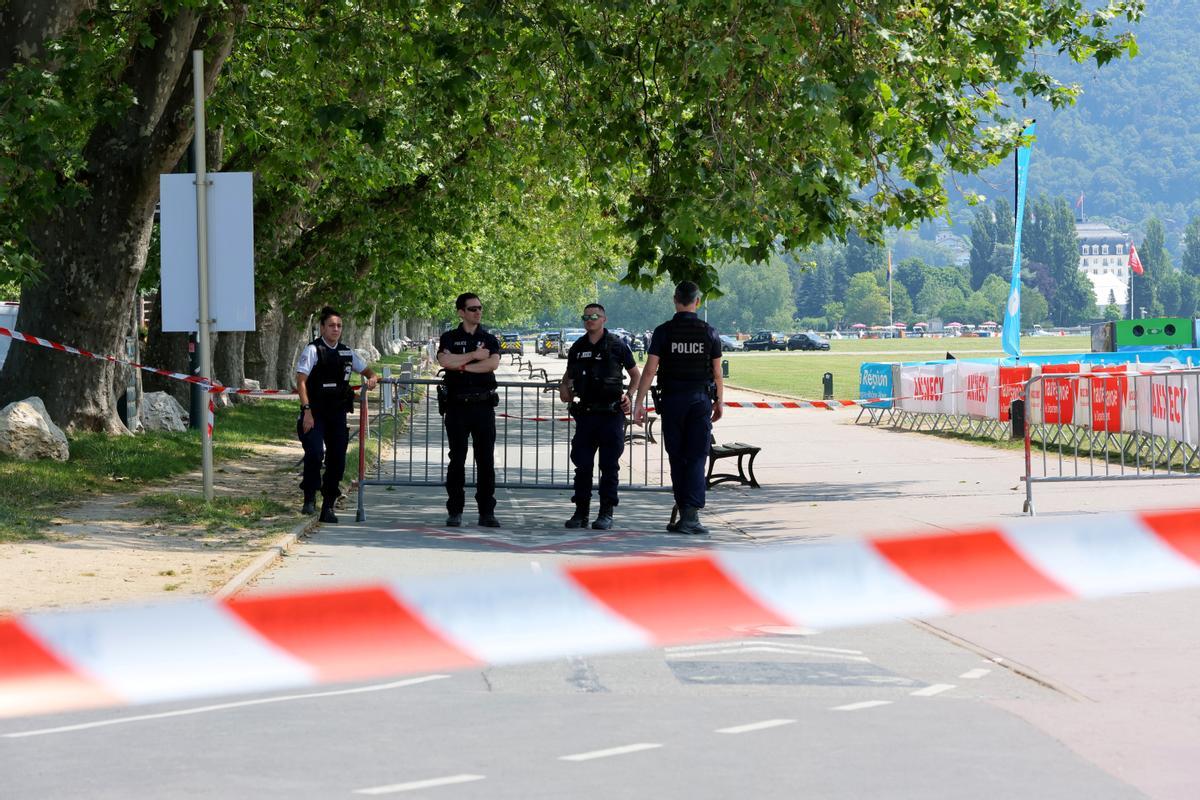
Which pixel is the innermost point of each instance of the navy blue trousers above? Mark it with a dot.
(604, 433)
(686, 430)
(326, 441)
(477, 422)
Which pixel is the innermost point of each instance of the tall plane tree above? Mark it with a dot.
(120, 92)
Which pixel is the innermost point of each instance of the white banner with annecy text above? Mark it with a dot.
(1167, 406)
(979, 390)
(928, 388)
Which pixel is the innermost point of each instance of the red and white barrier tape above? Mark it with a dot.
(212, 387)
(65, 660)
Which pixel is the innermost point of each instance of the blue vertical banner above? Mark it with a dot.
(1011, 337)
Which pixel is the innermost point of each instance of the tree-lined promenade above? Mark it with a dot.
(405, 150)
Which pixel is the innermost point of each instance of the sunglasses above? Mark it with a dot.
(474, 308)
(590, 317)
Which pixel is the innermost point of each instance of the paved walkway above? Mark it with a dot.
(1128, 662)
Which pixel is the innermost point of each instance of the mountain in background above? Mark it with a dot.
(1131, 144)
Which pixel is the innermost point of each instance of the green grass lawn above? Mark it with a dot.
(799, 373)
(31, 492)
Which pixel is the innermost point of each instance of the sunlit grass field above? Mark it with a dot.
(798, 374)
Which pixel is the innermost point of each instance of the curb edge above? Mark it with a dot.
(265, 559)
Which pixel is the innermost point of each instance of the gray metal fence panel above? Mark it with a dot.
(533, 440)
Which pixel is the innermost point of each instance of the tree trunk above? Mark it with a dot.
(165, 351)
(262, 345)
(290, 340)
(93, 254)
(229, 358)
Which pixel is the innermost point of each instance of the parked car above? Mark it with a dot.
(731, 343)
(546, 343)
(766, 340)
(568, 337)
(807, 341)
(511, 343)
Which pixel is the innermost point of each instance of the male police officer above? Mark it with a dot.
(685, 354)
(470, 356)
(594, 376)
(323, 383)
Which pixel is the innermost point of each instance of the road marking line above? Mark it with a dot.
(612, 751)
(974, 674)
(862, 705)
(765, 649)
(224, 706)
(755, 726)
(805, 648)
(414, 785)
(930, 691)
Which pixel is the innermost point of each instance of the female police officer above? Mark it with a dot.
(595, 364)
(323, 383)
(685, 354)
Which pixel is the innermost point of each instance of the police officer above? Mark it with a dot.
(323, 383)
(593, 384)
(685, 354)
(470, 356)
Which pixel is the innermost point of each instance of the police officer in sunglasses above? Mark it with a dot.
(470, 355)
(594, 386)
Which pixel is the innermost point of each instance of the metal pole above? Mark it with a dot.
(202, 264)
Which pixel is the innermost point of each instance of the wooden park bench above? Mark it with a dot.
(745, 469)
(639, 432)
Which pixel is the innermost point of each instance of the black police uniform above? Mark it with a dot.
(470, 412)
(596, 374)
(686, 346)
(331, 399)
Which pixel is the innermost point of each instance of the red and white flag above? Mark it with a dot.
(1135, 263)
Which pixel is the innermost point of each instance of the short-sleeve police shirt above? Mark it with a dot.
(458, 342)
(308, 360)
(583, 350)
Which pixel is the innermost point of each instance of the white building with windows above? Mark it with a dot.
(1104, 259)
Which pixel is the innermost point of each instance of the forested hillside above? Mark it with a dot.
(1131, 145)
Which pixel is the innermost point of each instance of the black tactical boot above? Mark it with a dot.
(580, 518)
(488, 521)
(310, 504)
(689, 522)
(327, 514)
(604, 520)
(454, 520)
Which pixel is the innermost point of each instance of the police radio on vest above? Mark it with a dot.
(687, 347)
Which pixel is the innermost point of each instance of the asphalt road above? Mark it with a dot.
(890, 711)
(1068, 701)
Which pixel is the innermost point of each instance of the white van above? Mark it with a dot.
(8, 319)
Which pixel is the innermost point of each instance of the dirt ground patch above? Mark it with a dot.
(111, 549)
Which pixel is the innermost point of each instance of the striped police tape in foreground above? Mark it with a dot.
(68, 660)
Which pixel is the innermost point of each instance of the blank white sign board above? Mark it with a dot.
(230, 251)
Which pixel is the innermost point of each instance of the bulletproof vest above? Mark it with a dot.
(686, 354)
(329, 382)
(599, 381)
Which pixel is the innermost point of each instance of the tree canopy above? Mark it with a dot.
(406, 148)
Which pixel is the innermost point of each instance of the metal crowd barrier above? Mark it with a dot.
(1107, 426)
(400, 425)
